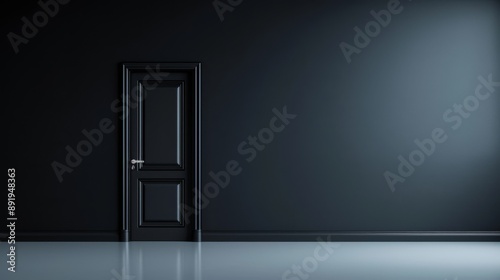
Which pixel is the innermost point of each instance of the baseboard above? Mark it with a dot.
(366, 236)
(275, 236)
(64, 236)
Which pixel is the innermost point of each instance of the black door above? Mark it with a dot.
(161, 150)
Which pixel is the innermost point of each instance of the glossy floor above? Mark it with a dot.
(253, 260)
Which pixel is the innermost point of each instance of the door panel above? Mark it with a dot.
(160, 203)
(161, 129)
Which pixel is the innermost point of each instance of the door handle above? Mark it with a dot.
(134, 161)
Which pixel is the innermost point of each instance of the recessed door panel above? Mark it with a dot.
(160, 203)
(161, 126)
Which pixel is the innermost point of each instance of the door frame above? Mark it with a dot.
(127, 70)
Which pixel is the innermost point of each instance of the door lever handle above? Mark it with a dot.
(134, 161)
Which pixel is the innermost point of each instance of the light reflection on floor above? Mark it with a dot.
(253, 260)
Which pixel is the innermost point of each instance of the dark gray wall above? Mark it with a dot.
(324, 171)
